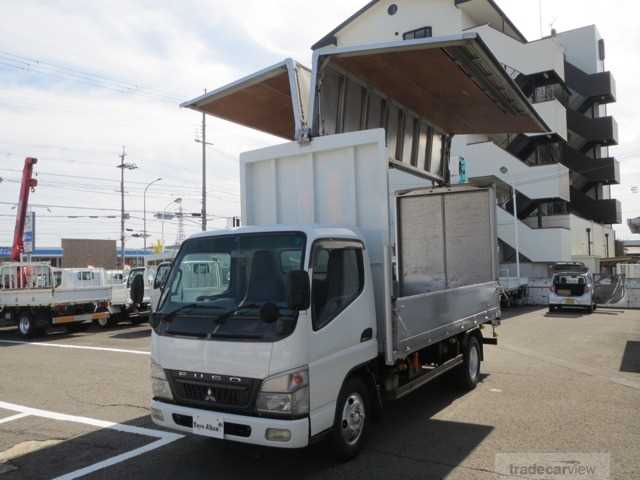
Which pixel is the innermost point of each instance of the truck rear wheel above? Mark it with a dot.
(468, 374)
(27, 326)
(351, 419)
(105, 322)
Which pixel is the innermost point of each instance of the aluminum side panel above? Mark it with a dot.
(429, 318)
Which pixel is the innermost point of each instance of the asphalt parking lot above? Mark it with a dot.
(77, 406)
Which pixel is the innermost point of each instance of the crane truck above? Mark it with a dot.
(35, 296)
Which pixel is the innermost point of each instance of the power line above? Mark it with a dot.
(43, 67)
(163, 186)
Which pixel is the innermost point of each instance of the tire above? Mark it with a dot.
(137, 290)
(105, 322)
(590, 309)
(27, 326)
(77, 327)
(351, 419)
(467, 375)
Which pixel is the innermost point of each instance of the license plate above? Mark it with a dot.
(208, 425)
(569, 301)
(564, 292)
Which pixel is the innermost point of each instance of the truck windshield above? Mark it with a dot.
(220, 286)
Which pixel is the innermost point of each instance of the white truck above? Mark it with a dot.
(35, 296)
(131, 293)
(358, 279)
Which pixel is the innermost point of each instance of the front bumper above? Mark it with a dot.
(253, 429)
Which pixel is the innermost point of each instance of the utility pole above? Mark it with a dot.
(180, 234)
(122, 166)
(204, 143)
(204, 170)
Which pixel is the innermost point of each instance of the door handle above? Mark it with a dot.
(367, 334)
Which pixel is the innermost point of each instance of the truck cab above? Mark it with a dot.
(264, 347)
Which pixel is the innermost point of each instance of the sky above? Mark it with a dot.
(80, 80)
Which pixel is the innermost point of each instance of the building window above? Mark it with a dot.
(422, 32)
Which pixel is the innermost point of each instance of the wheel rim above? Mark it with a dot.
(103, 322)
(24, 325)
(474, 362)
(353, 417)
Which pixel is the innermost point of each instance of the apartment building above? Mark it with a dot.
(563, 209)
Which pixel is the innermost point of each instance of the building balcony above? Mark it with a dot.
(607, 211)
(594, 170)
(544, 55)
(597, 88)
(486, 159)
(593, 131)
(545, 149)
(548, 245)
(555, 115)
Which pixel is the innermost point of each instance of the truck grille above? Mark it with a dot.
(218, 392)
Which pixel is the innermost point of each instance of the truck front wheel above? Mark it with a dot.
(351, 419)
(105, 322)
(27, 326)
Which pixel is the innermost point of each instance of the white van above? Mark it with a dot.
(572, 286)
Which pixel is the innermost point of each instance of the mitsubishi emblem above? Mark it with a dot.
(209, 397)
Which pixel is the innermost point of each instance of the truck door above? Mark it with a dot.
(343, 322)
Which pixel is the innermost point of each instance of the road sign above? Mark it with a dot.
(29, 235)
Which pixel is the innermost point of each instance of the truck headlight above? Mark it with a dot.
(159, 383)
(286, 393)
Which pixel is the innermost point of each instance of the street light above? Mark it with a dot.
(505, 171)
(144, 200)
(164, 215)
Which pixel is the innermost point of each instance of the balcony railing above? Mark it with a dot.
(594, 131)
(595, 88)
(602, 211)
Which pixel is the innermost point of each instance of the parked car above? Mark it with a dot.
(572, 287)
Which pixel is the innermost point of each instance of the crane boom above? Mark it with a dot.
(28, 184)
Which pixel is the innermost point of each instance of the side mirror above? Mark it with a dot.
(160, 280)
(298, 290)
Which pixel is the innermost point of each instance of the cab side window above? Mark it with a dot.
(338, 279)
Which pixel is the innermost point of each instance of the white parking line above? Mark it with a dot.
(13, 417)
(163, 438)
(78, 347)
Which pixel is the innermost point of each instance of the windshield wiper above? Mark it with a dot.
(168, 317)
(219, 321)
(223, 316)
